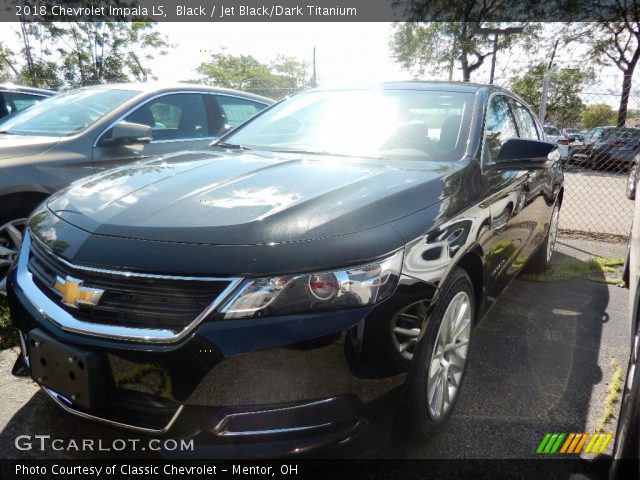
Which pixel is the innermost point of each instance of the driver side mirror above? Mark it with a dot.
(523, 154)
(126, 133)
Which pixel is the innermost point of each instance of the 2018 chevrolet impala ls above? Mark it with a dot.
(263, 295)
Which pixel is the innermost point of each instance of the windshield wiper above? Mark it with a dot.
(232, 146)
(6, 132)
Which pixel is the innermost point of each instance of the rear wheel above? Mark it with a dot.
(440, 358)
(540, 260)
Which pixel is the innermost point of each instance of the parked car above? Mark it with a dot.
(334, 249)
(608, 147)
(14, 98)
(88, 130)
(573, 135)
(554, 135)
(626, 450)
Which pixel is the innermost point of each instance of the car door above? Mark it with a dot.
(178, 121)
(537, 189)
(506, 198)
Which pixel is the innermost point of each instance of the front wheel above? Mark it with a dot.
(540, 260)
(632, 182)
(11, 233)
(440, 359)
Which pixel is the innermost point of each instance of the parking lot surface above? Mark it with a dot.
(539, 362)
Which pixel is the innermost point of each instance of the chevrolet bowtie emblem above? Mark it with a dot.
(73, 292)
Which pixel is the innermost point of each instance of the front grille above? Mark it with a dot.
(132, 301)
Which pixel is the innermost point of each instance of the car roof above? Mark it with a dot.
(464, 87)
(10, 87)
(163, 87)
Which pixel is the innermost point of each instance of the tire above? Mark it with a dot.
(427, 410)
(632, 182)
(12, 224)
(540, 260)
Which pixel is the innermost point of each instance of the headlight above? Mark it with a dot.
(352, 287)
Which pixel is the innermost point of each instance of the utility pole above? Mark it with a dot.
(314, 79)
(496, 32)
(545, 85)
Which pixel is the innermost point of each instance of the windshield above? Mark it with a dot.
(402, 124)
(552, 131)
(66, 114)
(632, 133)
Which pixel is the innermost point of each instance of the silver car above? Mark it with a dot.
(84, 131)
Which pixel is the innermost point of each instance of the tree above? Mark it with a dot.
(244, 72)
(619, 42)
(104, 52)
(598, 115)
(88, 53)
(453, 37)
(294, 71)
(564, 105)
(8, 73)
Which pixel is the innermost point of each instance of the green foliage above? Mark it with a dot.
(598, 115)
(570, 268)
(435, 48)
(564, 105)
(89, 52)
(294, 72)
(8, 337)
(7, 72)
(244, 72)
(613, 395)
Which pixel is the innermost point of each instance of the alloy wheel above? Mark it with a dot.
(553, 232)
(631, 182)
(406, 326)
(10, 242)
(449, 356)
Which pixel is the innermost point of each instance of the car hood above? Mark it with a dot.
(13, 146)
(249, 199)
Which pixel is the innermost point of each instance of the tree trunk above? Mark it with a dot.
(626, 91)
(466, 72)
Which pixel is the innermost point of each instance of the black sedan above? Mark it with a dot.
(263, 297)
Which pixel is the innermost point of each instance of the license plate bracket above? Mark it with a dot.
(74, 373)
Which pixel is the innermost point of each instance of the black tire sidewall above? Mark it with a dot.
(632, 191)
(417, 391)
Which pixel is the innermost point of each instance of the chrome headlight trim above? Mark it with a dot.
(358, 282)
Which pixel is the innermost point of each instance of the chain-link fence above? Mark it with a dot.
(599, 160)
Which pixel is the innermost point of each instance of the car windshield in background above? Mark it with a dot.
(394, 124)
(66, 114)
(552, 131)
(633, 133)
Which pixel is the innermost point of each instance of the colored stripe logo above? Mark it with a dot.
(574, 443)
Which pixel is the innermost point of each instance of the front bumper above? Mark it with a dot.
(252, 388)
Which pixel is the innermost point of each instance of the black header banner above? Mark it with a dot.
(319, 10)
